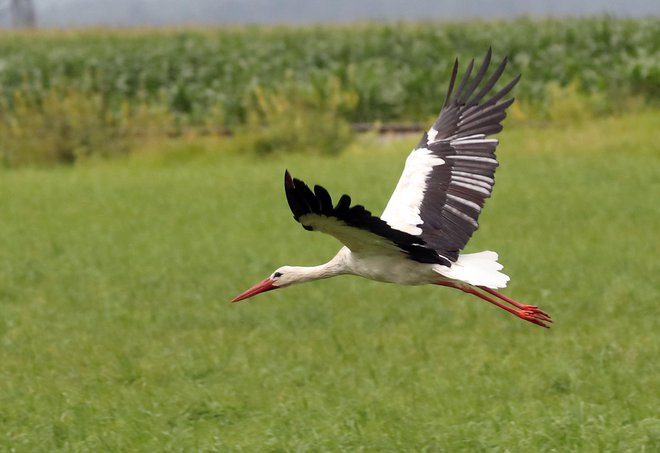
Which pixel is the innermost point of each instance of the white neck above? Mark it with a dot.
(301, 274)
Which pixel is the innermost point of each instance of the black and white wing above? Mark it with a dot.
(451, 172)
(354, 226)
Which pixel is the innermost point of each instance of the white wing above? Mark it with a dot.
(451, 172)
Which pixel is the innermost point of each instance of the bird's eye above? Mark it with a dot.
(277, 275)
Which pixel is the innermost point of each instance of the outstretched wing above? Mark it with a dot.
(451, 172)
(354, 226)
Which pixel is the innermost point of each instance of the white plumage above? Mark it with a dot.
(432, 212)
(477, 269)
(402, 211)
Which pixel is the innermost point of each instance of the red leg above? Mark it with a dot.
(526, 312)
(515, 303)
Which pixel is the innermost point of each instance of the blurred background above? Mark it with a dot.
(142, 148)
(122, 13)
(100, 80)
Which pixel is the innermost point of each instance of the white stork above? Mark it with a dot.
(432, 212)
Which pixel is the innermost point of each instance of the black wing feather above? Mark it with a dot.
(307, 206)
(464, 80)
(478, 78)
(491, 82)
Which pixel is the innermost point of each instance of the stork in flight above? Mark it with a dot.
(432, 213)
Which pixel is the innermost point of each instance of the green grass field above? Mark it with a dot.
(116, 333)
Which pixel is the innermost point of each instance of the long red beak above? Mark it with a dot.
(262, 287)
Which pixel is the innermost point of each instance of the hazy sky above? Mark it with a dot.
(59, 13)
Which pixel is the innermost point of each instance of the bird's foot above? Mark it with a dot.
(530, 313)
(536, 309)
(534, 315)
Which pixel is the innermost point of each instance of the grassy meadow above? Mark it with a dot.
(116, 333)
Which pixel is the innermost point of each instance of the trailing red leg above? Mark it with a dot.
(516, 303)
(527, 312)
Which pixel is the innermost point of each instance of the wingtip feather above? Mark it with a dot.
(288, 181)
(452, 81)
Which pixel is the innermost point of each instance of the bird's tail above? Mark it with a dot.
(479, 269)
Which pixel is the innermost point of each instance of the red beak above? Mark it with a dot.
(262, 287)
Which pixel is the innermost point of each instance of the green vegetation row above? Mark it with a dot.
(69, 94)
(396, 71)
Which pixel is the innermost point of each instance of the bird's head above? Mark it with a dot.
(282, 277)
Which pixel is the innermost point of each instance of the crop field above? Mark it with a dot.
(394, 71)
(116, 333)
(66, 96)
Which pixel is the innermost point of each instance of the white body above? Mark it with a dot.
(477, 269)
